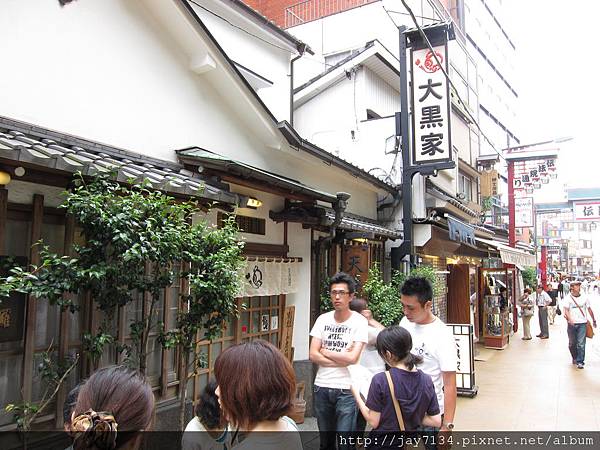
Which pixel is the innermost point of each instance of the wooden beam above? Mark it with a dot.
(257, 249)
(65, 316)
(30, 321)
(3, 217)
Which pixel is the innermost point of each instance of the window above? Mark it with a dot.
(465, 187)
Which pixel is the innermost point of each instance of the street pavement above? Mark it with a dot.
(531, 385)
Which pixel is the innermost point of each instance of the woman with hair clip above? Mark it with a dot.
(409, 388)
(113, 407)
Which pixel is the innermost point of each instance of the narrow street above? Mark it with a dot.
(532, 385)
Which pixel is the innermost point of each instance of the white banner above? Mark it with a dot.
(431, 106)
(261, 278)
(524, 212)
(589, 210)
(289, 277)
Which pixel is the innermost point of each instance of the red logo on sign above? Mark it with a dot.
(430, 65)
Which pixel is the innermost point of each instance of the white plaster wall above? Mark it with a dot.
(300, 246)
(120, 79)
(263, 54)
(105, 71)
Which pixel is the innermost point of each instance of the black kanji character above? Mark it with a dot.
(354, 261)
(431, 116)
(429, 86)
(431, 143)
(587, 211)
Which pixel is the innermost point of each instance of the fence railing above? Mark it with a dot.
(309, 10)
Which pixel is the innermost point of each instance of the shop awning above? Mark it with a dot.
(210, 160)
(510, 255)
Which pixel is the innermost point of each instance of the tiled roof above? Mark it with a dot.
(358, 223)
(69, 154)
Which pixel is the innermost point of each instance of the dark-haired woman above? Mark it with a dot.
(256, 388)
(413, 389)
(113, 407)
(208, 429)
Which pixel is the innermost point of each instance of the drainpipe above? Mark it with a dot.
(301, 49)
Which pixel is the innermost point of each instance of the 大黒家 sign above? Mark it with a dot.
(430, 105)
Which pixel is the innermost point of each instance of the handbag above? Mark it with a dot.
(589, 330)
(558, 312)
(395, 401)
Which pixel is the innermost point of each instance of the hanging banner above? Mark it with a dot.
(262, 278)
(289, 277)
(430, 101)
(589, 210)
(524, 212)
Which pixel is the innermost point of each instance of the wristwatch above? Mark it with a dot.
(449, 425)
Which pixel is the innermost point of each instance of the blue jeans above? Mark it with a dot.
(576, 335)
(336, 412)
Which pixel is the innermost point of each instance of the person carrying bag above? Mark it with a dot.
(576, 308)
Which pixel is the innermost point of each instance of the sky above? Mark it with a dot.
(558, 94)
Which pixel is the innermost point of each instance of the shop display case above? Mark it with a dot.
(496, 328)
(496, 318)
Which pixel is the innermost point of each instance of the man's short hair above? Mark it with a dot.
(358, 304)
(343, 277)
(418, 287)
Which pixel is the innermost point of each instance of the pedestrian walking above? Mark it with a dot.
(553, 293)
(526, 305)
(337, 341)
(565, 287)
(256, 385)
(114, 407)
(542, 300)
(433, 341)
(370, 361)
(403, 386)
(208, 429)
(576, 309)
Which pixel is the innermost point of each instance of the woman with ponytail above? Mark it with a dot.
(412, 388)
(114, 407)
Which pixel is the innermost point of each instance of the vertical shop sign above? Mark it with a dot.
(430, 103)
(523, 212)
(355, 262)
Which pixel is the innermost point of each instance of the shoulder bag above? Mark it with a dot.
(395, 401)
(589, 330)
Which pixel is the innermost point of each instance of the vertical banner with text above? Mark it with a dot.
(430, 103)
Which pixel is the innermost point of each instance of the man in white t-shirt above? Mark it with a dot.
(434, 342)
(338, 338)
(576, 307)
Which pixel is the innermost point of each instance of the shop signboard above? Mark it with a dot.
(524, 212)
(588, 210)
(465, 359)
(355, 262)
(430, 102)
(287, 332)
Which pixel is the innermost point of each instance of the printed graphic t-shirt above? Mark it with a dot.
(338, 337)
(435, 343)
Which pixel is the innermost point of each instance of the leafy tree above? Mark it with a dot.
(529, 277)
(384, 298)
(136, 238)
